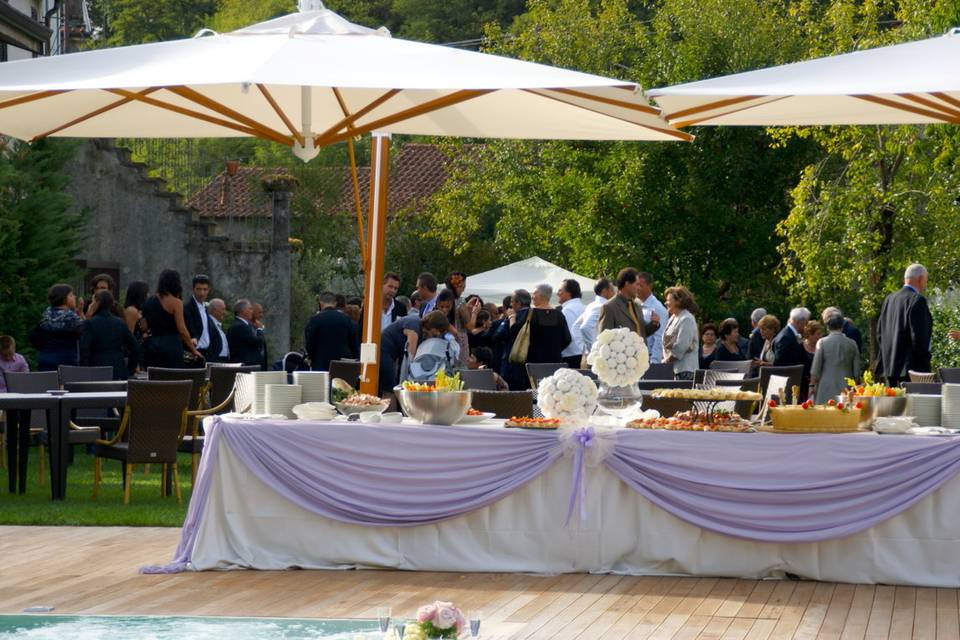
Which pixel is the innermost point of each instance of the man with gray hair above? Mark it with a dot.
(755, 346)
(788, 345)
(904, 329)
(849, 329)
(245, 341)
(217, 309)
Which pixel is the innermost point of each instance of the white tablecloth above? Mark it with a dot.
(247, 525)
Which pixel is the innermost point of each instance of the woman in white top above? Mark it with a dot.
(681, 341)
(769, 327)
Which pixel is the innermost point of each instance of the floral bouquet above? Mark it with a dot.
(619, 357)
(437, 620)
(567, 395)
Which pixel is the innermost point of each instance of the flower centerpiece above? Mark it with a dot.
(568, 396)
(619, 357)
(437, 620)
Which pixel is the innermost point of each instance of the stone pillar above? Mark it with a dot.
(277, 314)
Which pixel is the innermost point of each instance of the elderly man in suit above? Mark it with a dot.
(905, 328)
(245, 340)
(623, 310)
(837, 358)
(788, 345)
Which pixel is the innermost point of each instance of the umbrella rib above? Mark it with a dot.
(195, 96)
(723, 114)
(413, 112)
(93, 114)
(354, 178)
(276, 108)
(711, 105)
(320, 140)
(611, 101)
(32, 97)
(946, 98)
(909, 108)
(188, 112)
(664, 130)
(953, 113)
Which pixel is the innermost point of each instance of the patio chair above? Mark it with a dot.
(922, 376)
(743, 408)
(106, 420)
(504, 404)
(793, 373)
(154, 420)
(34, 382)
(243, 393)
(933, 388)
(221, 383)
(346, 370)
(537, 371)
(650, 385)
(89, 417)
(479, 379)
(659, 371)
(68, 374)
(740, 366)
(950, 375)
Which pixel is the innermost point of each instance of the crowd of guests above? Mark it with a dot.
(161, 329)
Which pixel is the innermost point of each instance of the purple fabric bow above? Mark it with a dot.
(582, 439)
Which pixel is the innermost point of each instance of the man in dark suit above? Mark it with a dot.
(198, 320)
(905, 328)
(330, 335)
(788, 345)
(756, 341)
(244, 340)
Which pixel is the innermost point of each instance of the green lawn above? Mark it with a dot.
(146, 508)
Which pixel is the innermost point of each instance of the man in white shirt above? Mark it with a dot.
(572, 306)
(195, 314)
(217, 310)
(392, 308)
(652, 305)
(586, 325)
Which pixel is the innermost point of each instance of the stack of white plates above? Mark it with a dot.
(950, 407)
(315, 385)
(315, 411)
(282, 398)
(925, 409)
(260, 380)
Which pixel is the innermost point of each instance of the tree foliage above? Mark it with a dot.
(39, 236)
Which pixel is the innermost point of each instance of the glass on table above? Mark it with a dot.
(400, 628)
(383, 617)
(474, 617)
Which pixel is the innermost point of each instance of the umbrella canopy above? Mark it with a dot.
(310, 79)
(912, 83)
(493, 285)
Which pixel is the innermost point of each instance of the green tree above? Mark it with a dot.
(127, 22)
(880, 197)
(39, 236)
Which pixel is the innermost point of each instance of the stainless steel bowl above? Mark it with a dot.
(878, 407)
(434, 407)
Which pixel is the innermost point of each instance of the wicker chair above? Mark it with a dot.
(504, 404)
(34, 382)
(70, 374)
(106, 420)
(222, 381)
(191, 442)
(950, 375)
(740, 366)
(346, 370)
(930, 388)
(243, 393)
(922, 376)
(154, 420)
(537, 371)
(650, 385)
(479, 379)
(659, 371)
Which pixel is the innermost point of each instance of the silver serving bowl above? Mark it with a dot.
(434, 407)
(878, 407)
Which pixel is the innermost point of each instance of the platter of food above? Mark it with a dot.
(539, 424)
(722, 421)
(357, 403)
(473, 416)
(717, 394)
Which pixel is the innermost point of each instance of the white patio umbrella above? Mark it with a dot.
(312, 79)
(912, 83)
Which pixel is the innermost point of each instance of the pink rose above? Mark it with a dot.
(461, 621)
(427, 613)
(446, 618)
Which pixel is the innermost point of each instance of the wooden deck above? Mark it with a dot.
(94, 571)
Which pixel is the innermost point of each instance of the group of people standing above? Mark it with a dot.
(158, 330)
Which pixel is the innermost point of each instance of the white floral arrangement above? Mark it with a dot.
(568, 396)
(619, 357)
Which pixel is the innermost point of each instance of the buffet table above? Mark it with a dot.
(851, 508)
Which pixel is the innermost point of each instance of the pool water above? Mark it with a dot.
(55, 627)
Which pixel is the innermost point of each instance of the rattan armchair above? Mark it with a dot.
(505, 404)
(154, 421)
(537, 371)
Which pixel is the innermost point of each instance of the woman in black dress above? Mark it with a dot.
(163, 316)
(728, 343)
(549, 333)
(708, 344)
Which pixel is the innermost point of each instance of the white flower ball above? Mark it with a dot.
(569, 396)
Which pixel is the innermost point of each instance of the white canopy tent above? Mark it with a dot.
(493, 285)
(912, 83)
(311, 79)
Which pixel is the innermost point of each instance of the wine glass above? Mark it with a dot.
(383, 617)
(400, 628)
(475, 617)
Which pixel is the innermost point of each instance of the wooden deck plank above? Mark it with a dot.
(925, 615)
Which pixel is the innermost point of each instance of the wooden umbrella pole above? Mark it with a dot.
(373, 275)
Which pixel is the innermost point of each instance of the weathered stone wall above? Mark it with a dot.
(135, 222)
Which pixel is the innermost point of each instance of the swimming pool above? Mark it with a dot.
(55, 627)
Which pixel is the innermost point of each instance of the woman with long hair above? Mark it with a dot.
(163, 315)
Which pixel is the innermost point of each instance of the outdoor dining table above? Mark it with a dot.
(59, 410)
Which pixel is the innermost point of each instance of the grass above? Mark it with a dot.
(146, 508)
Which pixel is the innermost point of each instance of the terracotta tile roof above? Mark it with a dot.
(417, 172)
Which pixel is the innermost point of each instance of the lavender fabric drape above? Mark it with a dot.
(790, 489)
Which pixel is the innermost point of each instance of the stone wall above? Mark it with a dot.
(136, 223)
